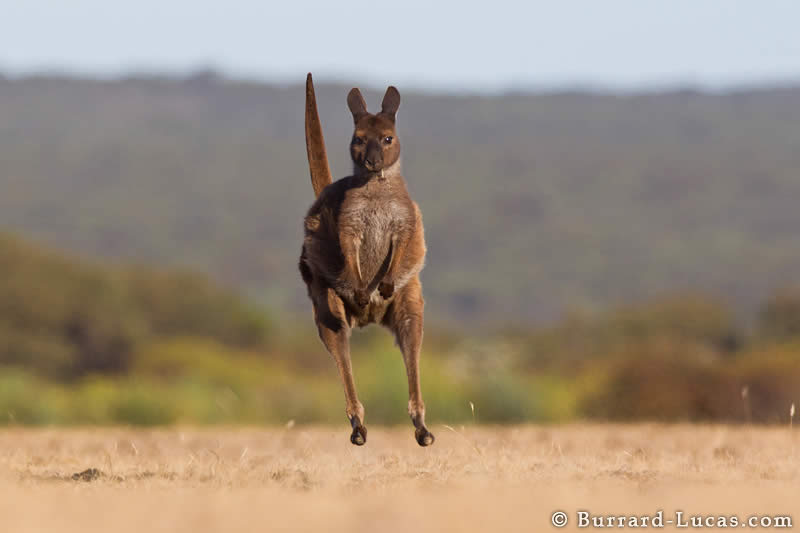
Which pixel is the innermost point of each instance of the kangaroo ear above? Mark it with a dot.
(391, 102)
(356, 103)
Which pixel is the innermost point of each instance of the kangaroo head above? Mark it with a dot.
(374, 146)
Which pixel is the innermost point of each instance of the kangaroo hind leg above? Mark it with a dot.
(405, 319)
(333, 323)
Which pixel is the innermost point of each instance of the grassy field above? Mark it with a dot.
(475, 478)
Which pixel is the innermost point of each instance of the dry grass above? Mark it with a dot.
(312, 479)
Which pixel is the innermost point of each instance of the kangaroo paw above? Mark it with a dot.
(361, 297)
(386, 288)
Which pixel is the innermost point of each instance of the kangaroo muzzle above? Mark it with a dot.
(373, 160)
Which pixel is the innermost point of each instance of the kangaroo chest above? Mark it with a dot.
(378, 225)
(375, 220)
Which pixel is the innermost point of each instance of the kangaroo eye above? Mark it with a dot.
(387, 140)
(358, 140)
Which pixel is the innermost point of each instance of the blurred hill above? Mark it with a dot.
(533, 203)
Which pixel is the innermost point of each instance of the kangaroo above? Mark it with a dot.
(364, 248)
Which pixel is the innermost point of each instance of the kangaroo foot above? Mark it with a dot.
(359, 435)
(423, 436)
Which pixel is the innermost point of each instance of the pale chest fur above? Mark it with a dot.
(373, 218)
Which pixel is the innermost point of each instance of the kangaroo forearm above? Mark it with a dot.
(399, 246)
(352, 263)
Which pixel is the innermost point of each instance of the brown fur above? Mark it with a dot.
(315, 143)
(363, 249)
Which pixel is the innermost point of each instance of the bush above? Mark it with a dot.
(779, 318)
(67, 319)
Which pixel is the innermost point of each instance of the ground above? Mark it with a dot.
(474, 478)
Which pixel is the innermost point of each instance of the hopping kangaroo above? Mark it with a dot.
(364, 248)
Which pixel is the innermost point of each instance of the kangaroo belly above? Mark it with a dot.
(374, 244)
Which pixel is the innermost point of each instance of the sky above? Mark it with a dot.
(447, 45)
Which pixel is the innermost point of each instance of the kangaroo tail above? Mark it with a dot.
(315, 143)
